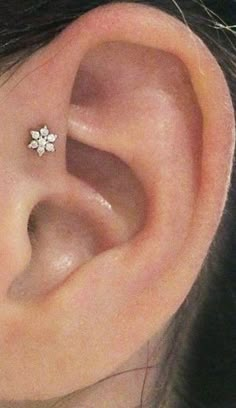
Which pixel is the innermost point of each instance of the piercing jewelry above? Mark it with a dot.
(42, 140)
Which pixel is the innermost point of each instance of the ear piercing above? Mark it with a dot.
(42, 141)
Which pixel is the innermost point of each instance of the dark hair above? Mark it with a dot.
(198, 369)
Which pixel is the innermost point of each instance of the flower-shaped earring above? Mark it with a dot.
(42, 140)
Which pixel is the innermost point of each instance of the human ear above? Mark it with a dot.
(126, 208)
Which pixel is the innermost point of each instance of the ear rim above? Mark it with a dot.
(212, 123)
(219, 125)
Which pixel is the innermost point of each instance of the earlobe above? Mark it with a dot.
(146, 125)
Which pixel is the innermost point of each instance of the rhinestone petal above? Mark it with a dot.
(33, 145)
(50, 147)
(35, 135)
(40, 150)
(52, 138)
(44, 131)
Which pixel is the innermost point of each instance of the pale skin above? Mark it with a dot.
(125, 209)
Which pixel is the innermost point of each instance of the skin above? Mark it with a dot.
(125, 210)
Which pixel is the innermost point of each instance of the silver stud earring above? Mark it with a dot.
(42, 141)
